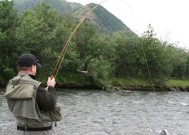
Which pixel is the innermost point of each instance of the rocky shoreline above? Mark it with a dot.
(125, 87)
(150, 88)
(119, 87)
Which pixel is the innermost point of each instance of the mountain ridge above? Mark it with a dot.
(101, 17)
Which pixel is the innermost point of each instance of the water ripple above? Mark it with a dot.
(115, 113)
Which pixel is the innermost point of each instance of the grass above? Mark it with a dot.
(176, 83)
(143, 82)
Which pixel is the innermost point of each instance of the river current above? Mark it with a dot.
(94, 112)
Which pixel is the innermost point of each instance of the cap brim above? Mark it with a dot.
(38, 65)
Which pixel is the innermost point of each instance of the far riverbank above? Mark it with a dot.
(134, 84)
(129, 84)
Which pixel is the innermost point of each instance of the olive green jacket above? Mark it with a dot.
(21, 98)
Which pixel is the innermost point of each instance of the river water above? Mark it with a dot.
(94, 112)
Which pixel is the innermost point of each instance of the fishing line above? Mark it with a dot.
(149, 73)
(144, 54)
(62, 53)
(124, 2)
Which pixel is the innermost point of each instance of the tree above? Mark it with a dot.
(96, 54)
(8, 46)
(42, 32)
(154, 54)
(179, 62)
(127, 48)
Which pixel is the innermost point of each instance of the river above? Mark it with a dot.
(94, 112)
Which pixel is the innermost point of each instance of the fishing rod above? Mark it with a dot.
(62, 53)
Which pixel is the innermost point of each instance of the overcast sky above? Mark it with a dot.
(169, 18)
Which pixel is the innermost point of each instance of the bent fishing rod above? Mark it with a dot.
(62, 53)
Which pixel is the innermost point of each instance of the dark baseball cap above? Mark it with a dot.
(27, 60)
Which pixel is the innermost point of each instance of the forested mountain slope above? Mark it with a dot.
(102, 18)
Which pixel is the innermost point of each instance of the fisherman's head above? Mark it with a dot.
(28, 62)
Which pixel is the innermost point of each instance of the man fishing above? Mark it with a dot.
(30, 101)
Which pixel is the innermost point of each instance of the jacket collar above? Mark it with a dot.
(25, 74)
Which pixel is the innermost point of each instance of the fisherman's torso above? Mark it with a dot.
(21, 97)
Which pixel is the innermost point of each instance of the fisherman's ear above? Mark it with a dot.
(32, 67)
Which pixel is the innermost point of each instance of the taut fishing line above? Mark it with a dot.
(144, 54)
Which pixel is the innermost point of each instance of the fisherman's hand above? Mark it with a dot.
(51, 82)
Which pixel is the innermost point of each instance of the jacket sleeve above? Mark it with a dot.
(46, 99)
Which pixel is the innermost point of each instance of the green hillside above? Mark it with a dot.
(108, 20)
(61, 6)
(102, 18)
